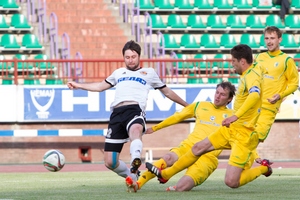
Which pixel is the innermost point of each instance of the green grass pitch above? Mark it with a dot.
(283, 184)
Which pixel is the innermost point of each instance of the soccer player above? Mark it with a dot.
(237, 132)
(127, 121)
(209, 117)
(280, 80)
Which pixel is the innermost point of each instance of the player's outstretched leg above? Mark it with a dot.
(155, 170)
(267, 163)
(132, 185)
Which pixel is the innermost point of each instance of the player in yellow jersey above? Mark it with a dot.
(209, 117)
(237, 132)
(280, 80)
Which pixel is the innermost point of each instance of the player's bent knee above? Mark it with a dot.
(232, 184)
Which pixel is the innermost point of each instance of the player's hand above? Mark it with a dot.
(72, 85)
(149, 131)
(226, 122)
(274, 99)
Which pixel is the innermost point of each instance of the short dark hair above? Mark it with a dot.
(133, 46)
(271, 29)
(228, 85)
(242, 51)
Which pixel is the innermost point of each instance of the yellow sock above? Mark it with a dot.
(249, 175)
(183, 162)
(146, 176)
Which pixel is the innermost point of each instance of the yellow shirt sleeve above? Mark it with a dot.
(292, 77)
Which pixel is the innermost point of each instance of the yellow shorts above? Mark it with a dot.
(264, 123)
(203, 167)
(240, 140)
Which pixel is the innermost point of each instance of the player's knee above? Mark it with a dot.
(231, 183)
(111, 163)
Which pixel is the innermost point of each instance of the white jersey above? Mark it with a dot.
(134, 85)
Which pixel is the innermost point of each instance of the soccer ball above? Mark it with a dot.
(54, 160)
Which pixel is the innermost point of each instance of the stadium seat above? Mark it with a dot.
(189, 41)
(175, 21)
(30, 80)
(262, 41)
(163, 4)
(3, 24)
(215, 21)
(195, 21)
(292, 21)
(241, 4)
(208, 41)
(258, 5)
(288, 41)
(221, 65)
(3, 64)
(22, 65)
(204, 4)
(249, 40)
(31, 41)
(145, 4)
(295, 4)
(19, 21)
(297, 56)
(274, 20)
(201, 64)
(183, 65)
(170, 41)
(54, 81)
(233, 79)
(156, 21)
(183, 4)
(234, 21)
(214, 79)
(192, 79)
(7, 79)
(254, 21)
(222, 4)
(43, 65)
(9, 4)
(227, 41)
(9, 41)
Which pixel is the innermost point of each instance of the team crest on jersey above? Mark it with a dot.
(212, 118)
(143, 73)
(276, 64)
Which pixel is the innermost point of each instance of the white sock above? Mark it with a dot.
(122, 169)
(136, 147)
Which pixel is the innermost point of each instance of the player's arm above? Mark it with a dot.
(173, 96)
(185, 113)
(251, 100)
(94, 87)
(292, 77)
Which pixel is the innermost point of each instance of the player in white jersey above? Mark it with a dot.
(127, 121)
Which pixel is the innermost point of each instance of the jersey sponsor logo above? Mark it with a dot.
(137, 79)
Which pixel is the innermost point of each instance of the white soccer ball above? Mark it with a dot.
(54, 160)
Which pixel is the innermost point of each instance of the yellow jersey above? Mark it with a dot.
(247, 102)
(281, 77)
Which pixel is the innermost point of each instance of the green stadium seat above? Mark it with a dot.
(295, 4)
(43, 65)
(233, 80)
(31, 41)
(292, 21)
(22, 65)
(9, 4)
(195, 21)
(241, 4)
(227, 41)
(183, 4)
(164, 4)
(262, 41)
(19, 21)
(30, 80)
(54, 81)
(170, 41)
(249, 39)
(175, 21)
(201, 65)
(204, 4)
(214, 79)
(9, 41)
(222, 4)
(157, 21)
(189, 41)
(215, 21)
(274, 20)
(254, 21)
(183, 65)
(256, 4)
(7, 79)
(145, 4)
(3, 24)
(234, 21)
(297, 56)
(3, 64)
(208, 41)
(221, 65)
(288, 41)
(192, 79)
